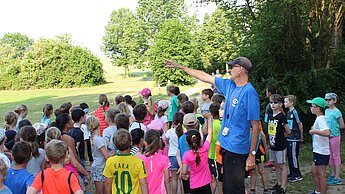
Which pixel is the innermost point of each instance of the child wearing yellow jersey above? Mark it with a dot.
(125, 173)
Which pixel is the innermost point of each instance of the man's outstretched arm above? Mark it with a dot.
(200, 75)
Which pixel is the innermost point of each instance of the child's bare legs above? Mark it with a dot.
(213, 184)
(220, 187)
(252, 175)
(263, 175)
(315, 178)
(321, 170)
(99, 187)
(181, 186)
(174, 183)
(281, 174)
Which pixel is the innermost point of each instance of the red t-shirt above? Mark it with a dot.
(56, 182)
(99, 113)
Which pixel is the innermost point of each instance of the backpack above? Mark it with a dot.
(69, 180)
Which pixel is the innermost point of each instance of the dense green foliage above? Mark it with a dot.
(48, 63)
(173, 41)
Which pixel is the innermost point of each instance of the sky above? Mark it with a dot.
(85, 20)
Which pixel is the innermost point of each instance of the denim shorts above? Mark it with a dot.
(173, 162)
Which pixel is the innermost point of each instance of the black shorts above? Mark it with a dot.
(260, 157)
(212, 164)
(206, 189)
(219, 170)
(320, 159)
(186, 186)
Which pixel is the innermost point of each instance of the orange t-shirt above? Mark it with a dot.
(56, 182)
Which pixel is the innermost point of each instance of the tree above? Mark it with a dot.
(20, 42)
(153, 14)
(218, 39)
(123, 39)
(173, 41)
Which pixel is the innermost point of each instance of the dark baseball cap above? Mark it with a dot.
(242, 61)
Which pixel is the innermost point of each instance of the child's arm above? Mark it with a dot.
(300, 126)
(107, 185)
(264, 142)
(184, 174)
(179, 161)
(78, 166)
(167, 180)
(209, 127)
(31, 190)
(287, 129)
(143, 186)
(341, 122)
(104, 152)
(324, 133)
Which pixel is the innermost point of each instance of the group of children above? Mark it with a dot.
(156, 147)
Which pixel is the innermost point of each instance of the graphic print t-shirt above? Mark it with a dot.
(276, 131)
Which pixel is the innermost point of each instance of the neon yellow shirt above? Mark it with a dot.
(216, 125)
(125, 170)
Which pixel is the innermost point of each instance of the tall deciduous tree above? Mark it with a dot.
(173, 41)
(123, 39)
(218, 39)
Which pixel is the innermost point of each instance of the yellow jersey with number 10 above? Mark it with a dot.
(125, 170)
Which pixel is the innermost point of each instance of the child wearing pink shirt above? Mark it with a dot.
(197, 159)
(156, 164)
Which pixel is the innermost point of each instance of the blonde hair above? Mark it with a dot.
(56, 151)
(52, 133)
(291, 98)
(20, 108)
(196, 104)
(92, 124)
(3, 168)
(123, 108)
(10, 118)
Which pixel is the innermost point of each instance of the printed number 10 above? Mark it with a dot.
(122, 182)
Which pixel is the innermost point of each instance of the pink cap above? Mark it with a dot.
(145, 92)
(156, 124)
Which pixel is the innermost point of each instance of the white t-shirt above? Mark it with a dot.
(135, 125)
(86, 131)
(173, 141)
(108, 132)
(163, 118)
(5, 159)
(320, 143)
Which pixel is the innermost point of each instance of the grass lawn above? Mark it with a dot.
(116, 84)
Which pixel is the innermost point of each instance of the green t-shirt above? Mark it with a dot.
(216, 125)
(173, 107)
(333, 123)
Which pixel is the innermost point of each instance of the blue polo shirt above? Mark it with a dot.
(241, 107)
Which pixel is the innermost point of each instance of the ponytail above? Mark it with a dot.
(28, 134)
(194, 140)
(177, 121)
(92, 124)
(154, 141)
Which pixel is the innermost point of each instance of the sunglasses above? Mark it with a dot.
(233, 66)
(274, 102)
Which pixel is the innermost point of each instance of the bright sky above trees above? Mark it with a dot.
(83, 19)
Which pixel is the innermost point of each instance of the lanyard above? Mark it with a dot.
(233, 102)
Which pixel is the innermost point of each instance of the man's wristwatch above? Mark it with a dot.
(253, 152)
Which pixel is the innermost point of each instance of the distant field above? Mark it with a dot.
(116, 84)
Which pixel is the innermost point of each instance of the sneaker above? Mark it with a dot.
(335, 181)
(279, 191)
(269, 164)
(295, 179)
(252, 192)
(267, 192)
(329, 178)
(275, 187)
